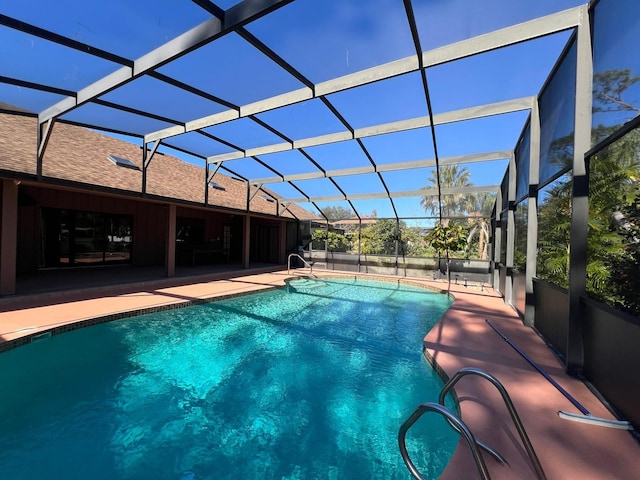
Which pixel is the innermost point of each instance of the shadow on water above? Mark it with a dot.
(312, 318)
(59, 394)
(80, 366)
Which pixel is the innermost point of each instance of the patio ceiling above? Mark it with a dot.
(342, 102)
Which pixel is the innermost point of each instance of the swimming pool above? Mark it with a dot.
(311, 381)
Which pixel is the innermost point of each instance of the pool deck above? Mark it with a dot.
(462, 338)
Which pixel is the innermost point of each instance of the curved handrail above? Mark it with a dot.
(310, 265)
(509, 404)
(499, 458)
(460, 427)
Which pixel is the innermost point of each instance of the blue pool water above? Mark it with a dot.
(308, 382)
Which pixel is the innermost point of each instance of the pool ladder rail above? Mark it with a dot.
(306, 264)
(457, 424)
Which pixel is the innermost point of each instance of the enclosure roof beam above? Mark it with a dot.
(391, 167)
(409, 193)
(522, 32)
(235, 17)
(480, 111)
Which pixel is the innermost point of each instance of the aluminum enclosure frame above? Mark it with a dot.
(234, 20)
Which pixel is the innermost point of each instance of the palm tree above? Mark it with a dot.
(451, 176)
(481, 205)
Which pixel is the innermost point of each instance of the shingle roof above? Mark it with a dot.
(80, 155)
(364, 219)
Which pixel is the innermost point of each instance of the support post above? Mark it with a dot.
(170, 244)
(511, 229)
(532, 213)
(580, 200)
(206, 184)
(497, 242)
(282, 255)
(8, 237)
(43, 135)
(397, 241)
(359, 244)
(246, 242)
(326, 240)
(147, 156)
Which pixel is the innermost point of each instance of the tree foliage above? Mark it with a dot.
(476, 207)
(613, 268)
(613, 243)
(554, 228)
(481, 205)
(413, 243)
(447, 238)
(337, 213)
(336, 242)
(451, 176)
(379, 238)
(608, 90)
(520, 237)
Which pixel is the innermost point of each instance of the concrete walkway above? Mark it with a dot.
(462, 338)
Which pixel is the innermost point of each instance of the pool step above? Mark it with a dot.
(306, 284)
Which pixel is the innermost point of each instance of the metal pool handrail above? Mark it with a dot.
(453, 420)
(509, 404)
(310, 265)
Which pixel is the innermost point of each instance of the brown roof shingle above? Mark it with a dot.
(80, 155)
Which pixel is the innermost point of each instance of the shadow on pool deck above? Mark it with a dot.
(462, 338)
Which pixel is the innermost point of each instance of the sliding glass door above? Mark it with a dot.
(77, 238)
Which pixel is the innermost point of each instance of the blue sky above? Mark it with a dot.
(322, 40)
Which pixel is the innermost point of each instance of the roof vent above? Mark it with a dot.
(122, 162)
(268, 199)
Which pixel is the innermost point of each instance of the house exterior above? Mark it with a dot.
(351, 224)
(87, 207)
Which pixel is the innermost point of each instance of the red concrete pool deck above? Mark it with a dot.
(566, 449)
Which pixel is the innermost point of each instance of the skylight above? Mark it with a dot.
(122, 162)
(215, 185)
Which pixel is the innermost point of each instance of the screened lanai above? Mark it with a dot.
(353, 107)
(515, 120)
(407, 112)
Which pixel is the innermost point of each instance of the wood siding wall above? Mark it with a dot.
(149, 222)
